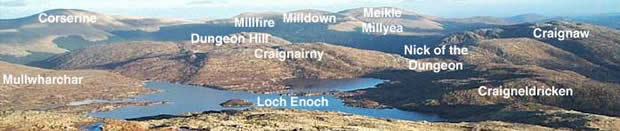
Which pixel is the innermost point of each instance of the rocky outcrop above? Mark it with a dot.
(288, 119)
(236, 103)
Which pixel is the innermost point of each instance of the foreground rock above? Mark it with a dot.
(52, 121)
(252, 119)
(288, 119)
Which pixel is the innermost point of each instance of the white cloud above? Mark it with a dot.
(226, 8)
(285, 3)
(14, 3)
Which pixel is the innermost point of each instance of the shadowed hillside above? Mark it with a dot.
(507, 57)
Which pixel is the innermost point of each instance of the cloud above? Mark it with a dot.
(286, 3)
(14, 3)
(200, 2)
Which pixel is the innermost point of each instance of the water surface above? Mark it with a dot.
(186, 98)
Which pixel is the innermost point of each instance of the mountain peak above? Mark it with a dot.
(70, 12)
(530, 17)
(314, 11)
(360, 11)
(258, 14)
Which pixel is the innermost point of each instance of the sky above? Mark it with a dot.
(201, 9)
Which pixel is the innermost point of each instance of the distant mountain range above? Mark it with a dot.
(22, 36)
(26, 40)
(503, 53)
(525, 18)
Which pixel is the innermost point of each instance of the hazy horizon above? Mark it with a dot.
(10, 9)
